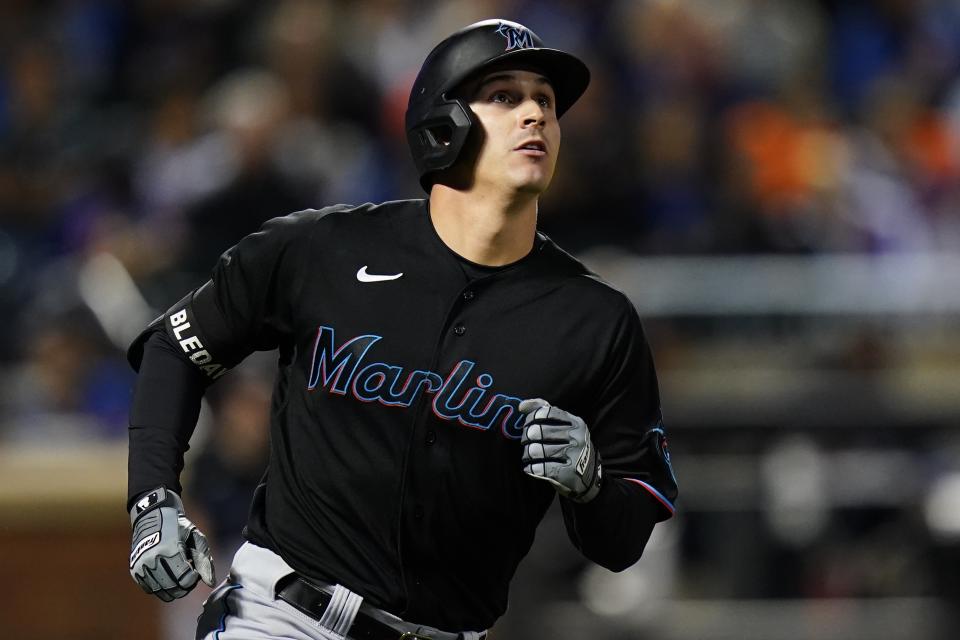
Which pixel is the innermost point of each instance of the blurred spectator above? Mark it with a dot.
(70, 387)
(794, 159)
(247, 110)
(869, 40)
(903, 168)
(328, 144)
(32, 168)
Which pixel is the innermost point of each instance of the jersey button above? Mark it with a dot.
(459, 330)
(468, 295)
(431, 437)
(418, 512)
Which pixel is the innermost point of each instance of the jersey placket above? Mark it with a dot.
(425, 451)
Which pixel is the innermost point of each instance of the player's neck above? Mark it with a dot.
(487, 228)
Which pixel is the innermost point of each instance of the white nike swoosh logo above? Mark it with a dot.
(363, 276)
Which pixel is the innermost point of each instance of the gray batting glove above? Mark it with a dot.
(557, 448)
(169, 554)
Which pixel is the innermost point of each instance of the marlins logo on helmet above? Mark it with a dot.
(517, 37)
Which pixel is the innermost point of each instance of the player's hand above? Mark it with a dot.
(557, 448)
(169, 554)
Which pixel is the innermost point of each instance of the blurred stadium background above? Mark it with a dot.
(776, 183)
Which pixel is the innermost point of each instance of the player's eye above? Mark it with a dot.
(544, 101)
(500, 96)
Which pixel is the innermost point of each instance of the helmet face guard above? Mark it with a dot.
(438, 124)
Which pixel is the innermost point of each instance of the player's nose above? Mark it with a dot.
(532, 114)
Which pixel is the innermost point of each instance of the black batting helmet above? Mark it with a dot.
(438, 123)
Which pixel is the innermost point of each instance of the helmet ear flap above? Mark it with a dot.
(438, 139)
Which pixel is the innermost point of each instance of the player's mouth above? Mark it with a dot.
(532, 148)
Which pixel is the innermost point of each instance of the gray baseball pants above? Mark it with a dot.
(245, 607)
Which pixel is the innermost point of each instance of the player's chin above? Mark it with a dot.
(533, 179)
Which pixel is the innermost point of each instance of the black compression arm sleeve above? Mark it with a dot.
(166, 404)
(613, 528)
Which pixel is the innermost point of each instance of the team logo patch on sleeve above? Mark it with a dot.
(662, 448)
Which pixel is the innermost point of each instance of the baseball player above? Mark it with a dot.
(444, 372)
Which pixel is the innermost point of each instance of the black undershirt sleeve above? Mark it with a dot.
(613, 528)
(164, 412)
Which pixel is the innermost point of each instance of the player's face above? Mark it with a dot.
(521, 134)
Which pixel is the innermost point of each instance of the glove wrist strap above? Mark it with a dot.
(594, 488)
(159, 497)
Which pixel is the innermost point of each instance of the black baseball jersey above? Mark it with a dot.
(395, 464)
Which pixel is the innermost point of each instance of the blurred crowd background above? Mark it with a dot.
(776, 183)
